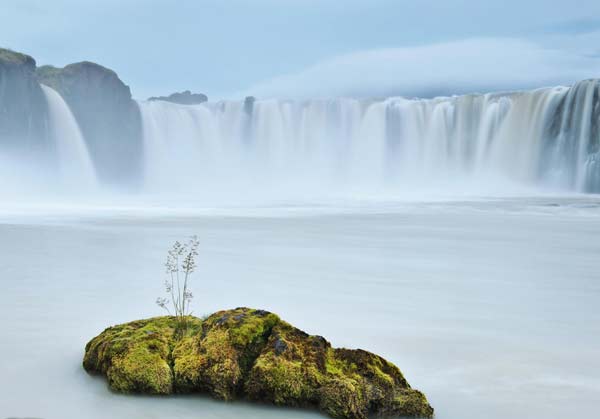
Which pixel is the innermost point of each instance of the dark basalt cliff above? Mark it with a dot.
(251, 354)
(107, 116)
(183, 98)
(23, 107)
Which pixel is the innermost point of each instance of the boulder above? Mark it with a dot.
(251, 354)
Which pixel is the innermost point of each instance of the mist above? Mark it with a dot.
(272, 150)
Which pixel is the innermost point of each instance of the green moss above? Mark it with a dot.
(13, 57)
(370, 366)
(136, 356)
(339, 367)
(251, 353)
(141, 370)
(359, 382)
(344, 398)
(290, 369)
(246, 326)
(187, 364)
(411, 403)
(49, 75)
(231, 342)
(282, 381)
(220, 373)
(253, 329)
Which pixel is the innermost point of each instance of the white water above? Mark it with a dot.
(74, 162)
(545, 138)
(503, 144)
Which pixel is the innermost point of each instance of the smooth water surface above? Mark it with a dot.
(491, 307)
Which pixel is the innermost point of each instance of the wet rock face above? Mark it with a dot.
(252, 354)
(183, 98)
(23, 108)
(107, 116)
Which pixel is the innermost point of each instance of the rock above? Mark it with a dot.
(252, 354)
(249, 104)
(183, 98)
(106, 113)
(23, 107)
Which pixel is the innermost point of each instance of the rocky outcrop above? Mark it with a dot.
(107, 116)
(249, 104)
(252, 354)
(183, 98)
(23, 107)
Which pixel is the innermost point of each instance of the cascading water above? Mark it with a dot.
(75, 165)
(547, 137)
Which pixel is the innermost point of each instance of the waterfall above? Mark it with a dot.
(548, 137)
(75, 165)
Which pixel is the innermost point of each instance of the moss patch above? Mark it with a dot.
(136, 357)
(12, 57)
(247, 353)
(50, 76)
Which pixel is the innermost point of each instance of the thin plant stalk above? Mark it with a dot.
(180, 264)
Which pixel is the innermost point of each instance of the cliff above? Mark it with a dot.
(23, 108)
(183, 98)
(107, 116)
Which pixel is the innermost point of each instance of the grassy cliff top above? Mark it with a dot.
(8, 56)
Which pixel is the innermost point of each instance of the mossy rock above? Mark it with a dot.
(251, 354)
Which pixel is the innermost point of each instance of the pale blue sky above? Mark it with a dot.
(282, 47)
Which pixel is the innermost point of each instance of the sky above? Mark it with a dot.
(314, 48)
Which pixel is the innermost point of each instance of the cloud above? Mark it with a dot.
(576, 26)
(468, 66)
